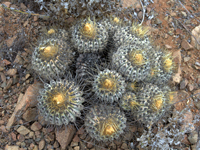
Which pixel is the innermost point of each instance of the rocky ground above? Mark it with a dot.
(174, 25)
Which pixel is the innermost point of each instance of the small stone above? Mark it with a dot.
(13, 135)
(23, 6)
(73, 144)
(55, 145)
(41, 144)
(36, 126)
(27, 76)
(117, 142)
(10, 41)
(158, 21)
(176, 78)
(124, 146)
(49, 147)
(187, 121)
(173, 14)
(20, 137)
(80, 131)
(18, 59)
(90, 144)
(168, 46)
(82, 146)
(195, 38)
(23, 130)
(177, 59)
(30, 114)
(196, 97)
(2, 122)
(76, 138)
(35, 147)
(65, 135)
(183, 84)
(1, 68)
(11, 147)
(197, 63)
(184, 13)
(35, 18)
(185, 45)
(3, 77)
(194, 147)
(190, 87)
(12, 72)
(9, 83)
(76, 148)
(5, 62)
(31, 135)
(3, 129)
(140, 15)
(32, 146)
(186, 59)
(7, 4)
(193, 137)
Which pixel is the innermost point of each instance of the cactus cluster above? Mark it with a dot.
(133, 81)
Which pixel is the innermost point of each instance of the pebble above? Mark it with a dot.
(140, 15)
(196, 34)
(184, 13)
(124, 146)
(41, 144)
(30, 114)
(2, 122)
(13, 135)
(55, 145)
(194, 147)
(186, 59)
(3, 129)
(23, 130)
(31, 135)
(73, 144)
(18, 59)
(197, 63)
(64, 136)
(36, 126)
(90, 144)
(185, 45)
(12, 72)
(8, 84)
(196, 97)
(76, 148)
(190, 87)
(7, 4)
(168, 46)
(76, 138)
(11, 147)
(82, 146)
(193, 137)
(10, 41)
(183, 84)
(5, 62)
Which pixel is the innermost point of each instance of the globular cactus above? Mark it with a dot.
(89, 36)
(132, 62)
(108, 85)
(105, 123)
(53, 55)
(60, 102)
